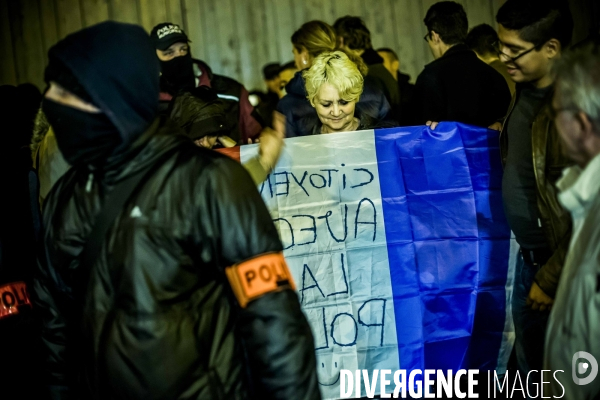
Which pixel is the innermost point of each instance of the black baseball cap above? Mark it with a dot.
(166, 34)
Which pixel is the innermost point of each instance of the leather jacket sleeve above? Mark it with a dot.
(549, 162)
(278, 339)
(50, 296)
(547, 277)
(54, 335)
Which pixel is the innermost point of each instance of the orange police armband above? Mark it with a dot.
(258, 276)
(12, 296)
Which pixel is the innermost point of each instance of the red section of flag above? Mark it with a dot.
(233, 152)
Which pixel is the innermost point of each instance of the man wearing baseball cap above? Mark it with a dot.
(181, 72)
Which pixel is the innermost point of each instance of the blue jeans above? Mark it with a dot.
(530, 327)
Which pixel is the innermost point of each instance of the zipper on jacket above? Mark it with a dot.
(88, 186)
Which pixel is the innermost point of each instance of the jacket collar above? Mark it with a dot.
(456, 50)
(159, 137)
(459, 48)
(203, 73)
(579, 187)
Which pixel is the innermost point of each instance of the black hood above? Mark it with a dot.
(117, 66)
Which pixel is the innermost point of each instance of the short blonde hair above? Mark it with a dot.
(336, 69)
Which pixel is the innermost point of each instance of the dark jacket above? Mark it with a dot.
(153, 315)
(159, 318)
(365, 122)
(245, 123)
(407, 94)
(200, 113)
(460, 87)
(548, 162)
(19, 224)
(384, 80)
(501, 68)
(266, 108)
(301, 117)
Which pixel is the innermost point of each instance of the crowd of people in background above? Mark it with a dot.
(167, 225)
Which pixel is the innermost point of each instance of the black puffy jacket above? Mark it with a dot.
(156, 318)
(153, 315)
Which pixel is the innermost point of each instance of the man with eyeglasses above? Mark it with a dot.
(532, 35)
(456, 86)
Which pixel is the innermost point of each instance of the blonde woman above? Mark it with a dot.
(334, 85)
(309, 42)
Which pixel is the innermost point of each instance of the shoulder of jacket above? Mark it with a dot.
(377, 68)
(429, 74)
(231, 83)
(201, 167)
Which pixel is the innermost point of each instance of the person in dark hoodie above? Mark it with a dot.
(308, 42)
(354, 36)
(182, 72)
(457, 86)
(162, 275)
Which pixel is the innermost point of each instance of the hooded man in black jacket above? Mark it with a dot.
(187, 294)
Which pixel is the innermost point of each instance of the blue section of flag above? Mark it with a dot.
(448, 243)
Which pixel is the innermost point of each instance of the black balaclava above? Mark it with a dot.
(178, 74)
(83, 137)
(113, 66)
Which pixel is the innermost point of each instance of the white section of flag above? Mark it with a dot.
(328, 175)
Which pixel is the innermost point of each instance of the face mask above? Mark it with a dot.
(82, 137)
(178, 74)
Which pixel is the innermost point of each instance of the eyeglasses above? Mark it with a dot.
(426, 37)
(498, 46)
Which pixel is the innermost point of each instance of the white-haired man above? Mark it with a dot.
(574, 326)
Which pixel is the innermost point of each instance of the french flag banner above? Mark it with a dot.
(399, 247)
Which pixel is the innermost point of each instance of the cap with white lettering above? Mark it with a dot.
(166, 34)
